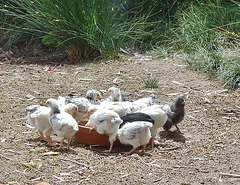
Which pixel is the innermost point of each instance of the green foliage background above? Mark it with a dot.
(205, 32)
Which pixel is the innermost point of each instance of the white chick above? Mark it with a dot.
(105, 122)
(158, 115)
(114, 106)
(40, 118)
(31, 109)
(71, 109)
(145, 102)
(62, 101)
(129, 107)
(39, 115)
(115, 94)
(93, 96)
(135, 133)
(82, 104)
(64, 125)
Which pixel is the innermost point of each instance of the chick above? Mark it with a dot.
(135, 133)
(82, 104)
(114, 106)
(138, 116)
(115, 94)
(63, 124)
(93, 96)
(145, 102)
(40, 118)
(175, 112)
(159, 117)
(105, 122)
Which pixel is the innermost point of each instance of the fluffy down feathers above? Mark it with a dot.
(93, 96)
(82, 104)
(64, 125)
(145, 102)
(114, 106)
(105, 122)
(129, 107)
(71, 109)
(158, 115)
(136, 133)
(31, 109)
(115, 94)
(175, 112)
(40, 118)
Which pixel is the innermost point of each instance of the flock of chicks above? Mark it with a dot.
(133, 123)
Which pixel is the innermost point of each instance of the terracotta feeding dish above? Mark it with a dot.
(91, 137)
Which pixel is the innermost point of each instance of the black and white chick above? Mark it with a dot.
(175, 112)
(135, 133)
(105, 122)
(63, 124)
(115, 95)
(93, 96)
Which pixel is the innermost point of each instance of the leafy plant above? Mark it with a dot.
(151, 82)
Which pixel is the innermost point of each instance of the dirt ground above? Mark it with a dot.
(207, 153)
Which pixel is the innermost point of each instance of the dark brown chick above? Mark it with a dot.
(175, 113)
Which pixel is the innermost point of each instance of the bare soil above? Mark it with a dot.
(207, 152)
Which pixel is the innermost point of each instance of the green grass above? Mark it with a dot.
(151, 82)
(207, 35)
(205, 32)
(82, 28)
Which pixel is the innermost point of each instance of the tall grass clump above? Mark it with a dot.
(160, 17)
(84, 28)
(206, 30)
(80, 27)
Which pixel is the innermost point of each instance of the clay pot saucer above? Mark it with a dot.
(91, 137)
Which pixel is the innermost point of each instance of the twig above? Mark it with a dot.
(58, 178)
(125, 175)
(147, 164)
(173, 148)
(230, 175)
(77, 163)
(142, 161)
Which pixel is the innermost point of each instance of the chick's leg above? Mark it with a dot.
(42, 136)
(68, 143)
(50, 141)
(111, 146)
(143, 149)
(152, 142)
(178, 129)
(130, 152)
(61, 144)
